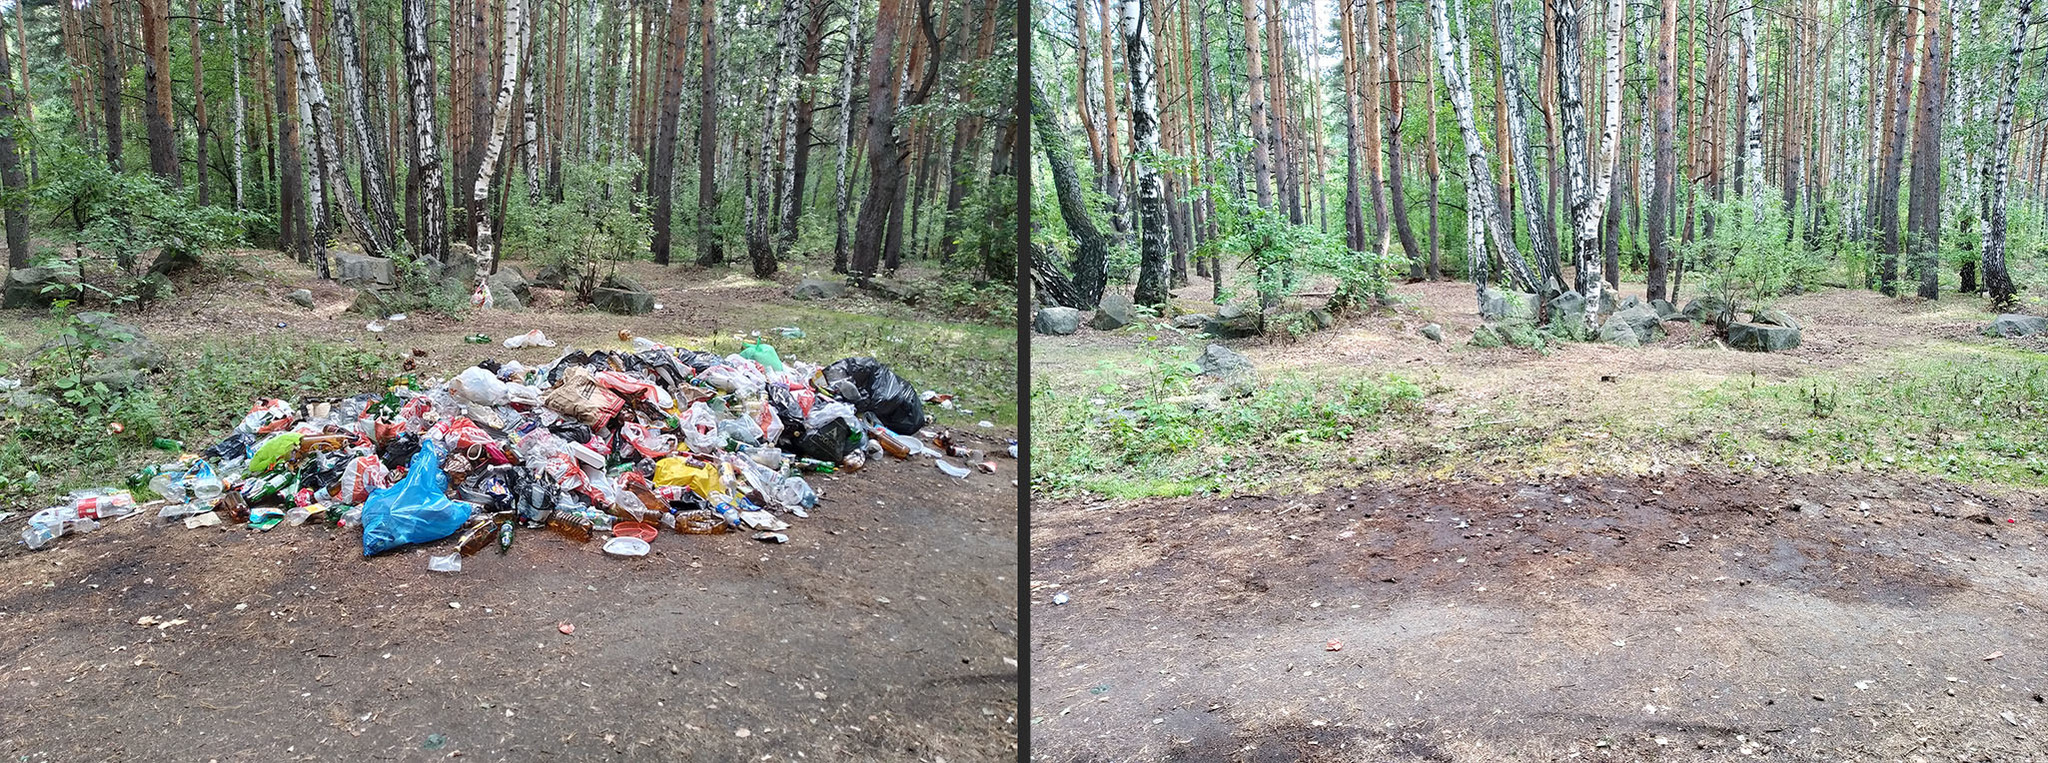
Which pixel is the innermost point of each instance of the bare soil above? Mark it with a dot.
(887, 628)
(1698, 616)
(1627, 601)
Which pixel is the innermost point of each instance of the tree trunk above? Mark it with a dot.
(1483, 216)
(710, 250)
(11, 181)
(1589, 195)
(1138, 65)
(1255, 101)
(501, 118)
(156, 89)
(426, 161)
(1542, 221)
(227, 10)
(1354, 205)
(1430, 166)
(1661, 195)
(198, 107)
(291, 192)
(369, 145)
(887, 148)
(1996, 279)
(375, 240)
(1885, 198)
(1924, 210)
(1396, 114)
(761, 218)
(800, 140)
(661, 169)
(842, 198)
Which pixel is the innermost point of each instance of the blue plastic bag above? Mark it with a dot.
(416, 510)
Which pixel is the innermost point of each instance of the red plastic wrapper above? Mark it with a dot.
(364, 475)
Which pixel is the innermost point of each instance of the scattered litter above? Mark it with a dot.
(375, 326)
(566, 628)
(532, 338)
(985, 424)
(1993, 656)
(622, 545)
(1333, 645)
(1060, 598)
(610, 445)
(951, 469)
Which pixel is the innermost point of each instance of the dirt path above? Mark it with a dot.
(1690, 617)
(886, 628)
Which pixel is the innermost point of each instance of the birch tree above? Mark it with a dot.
(426, 159)
(1996, 278)
(1483, 215)
(1138, 65)
(494, 145)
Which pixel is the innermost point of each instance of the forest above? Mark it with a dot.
(761, 133)
(1697, 146)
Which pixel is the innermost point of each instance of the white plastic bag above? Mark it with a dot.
(479, 386)
(532, 338)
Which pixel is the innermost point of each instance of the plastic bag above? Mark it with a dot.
(578, 396)
(830, 442)
(879, 391)
(267, 416)
(700, 479)
(363, 476)
(479, 386)
(700, 430)
(762, 353)
(273, 451)
(650, 443)
(416, 510)
(532, 338)
(741, 429)
(482, 296)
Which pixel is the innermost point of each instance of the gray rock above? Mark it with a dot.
(1709, 309)
(622, 282)
(1434, 332)
(372, 302)
(1664, 309)
(1486, 337)
(110, 327)
(1626, 302)
(1114, 312)
(894, 291)
(622, 301)
(552, 277)
(353, 268)
(1568, 303)
(172, 261)
(117, 380)
(1235, 322)
(1057, 321)
(1761, 338)
(1640, 320)
(1236, 371)
(1616, 331)
(818, 288)
(1192, 320)
(302, 297)
(2013, 325)
(461, 270)
(1774, 318)
(25, 285)
(1502, 305)
(509, 288)
(154, 287)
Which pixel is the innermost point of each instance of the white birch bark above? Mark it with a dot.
(1140, 66)
(841, 200)
(494, 145)
(382, 217)
(419, 75)
(1996, 280)
(760, 220)
(1595, 199)
(227, 10)
(1753, 110)
(313, 105)
(530, 137)
(1451, 48)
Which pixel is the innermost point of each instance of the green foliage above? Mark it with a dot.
(1140, 430)
(597, 224)
(75, 341)
(127, 213)
(1749, 261)
(1971, 415)
(197, 398)
(1279, 254)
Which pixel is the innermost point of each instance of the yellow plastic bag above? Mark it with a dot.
(702, 480)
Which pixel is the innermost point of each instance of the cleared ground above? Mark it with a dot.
(1535, 563)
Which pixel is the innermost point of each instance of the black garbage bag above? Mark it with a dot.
(829, 443)
(323, 469)
(789, 411)
(663, 367)
(873, 388)
(698, 361)
(233, 448)
(400, 450)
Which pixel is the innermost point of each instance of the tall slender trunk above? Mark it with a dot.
(290, 164)
(198, 107)
(1924, 210)
(1354, 206)
(1396, 115)
(501, 119)
(1589, 195)
(1367, 14)
(16, 216)
(375, 239)
(887, 147)
(1664, 183)
(1542, 222)
(369, 144)
(1429, 161)
(426, 160)
(761, 218)
(1996, 279)
(710, 250)
(843, 197)
(661, 169)
(1138, 65)
(1483, 216)
(156, 89)
(800, 140)
(1255, 95)
(1885, 199)
(227, 11)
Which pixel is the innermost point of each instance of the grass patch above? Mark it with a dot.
(198, 397)
(1965, 413)
(1137, 427)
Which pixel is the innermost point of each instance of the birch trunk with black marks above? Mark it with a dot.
(227, 11)
(761, 216)
(1483, 215)
(842, 195)
(1996, 278)
(369, 145)
(1091, 248)
(1542, 227)
(1138, 65)
(1589, 195)
(426, 160)
(710, 251)
(494, 144)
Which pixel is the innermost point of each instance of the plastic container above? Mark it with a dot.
(641, 530)
(624, 545)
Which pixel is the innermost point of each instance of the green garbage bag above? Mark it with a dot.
(763, 353)
(273, 450)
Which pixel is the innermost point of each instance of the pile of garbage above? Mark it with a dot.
(614, 443)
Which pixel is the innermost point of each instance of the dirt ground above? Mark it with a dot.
(1608, 603)
(887, 628)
